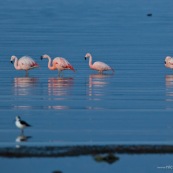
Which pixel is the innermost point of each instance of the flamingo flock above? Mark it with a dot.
(58, 63)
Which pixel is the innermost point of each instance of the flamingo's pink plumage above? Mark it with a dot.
(58, 63)
(24, 63)
(99, 66)
(169, 62)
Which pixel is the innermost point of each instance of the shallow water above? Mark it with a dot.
(141, 163)
(132, 106)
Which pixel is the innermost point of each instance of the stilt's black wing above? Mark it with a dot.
(25, 123)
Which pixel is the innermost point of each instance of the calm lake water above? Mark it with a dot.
(132, 106)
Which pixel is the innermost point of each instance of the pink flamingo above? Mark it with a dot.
(24, 63)
(99, 66)
(169, 62)
(58, 63)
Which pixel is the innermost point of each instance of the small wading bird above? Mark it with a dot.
(24, 63)
(58, 63)
(169, 62)
(21, 124)
(99, 66)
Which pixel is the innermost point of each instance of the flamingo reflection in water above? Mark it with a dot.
(169, 87)
(60, 87)
(24, 85)
(169, 81)
(96, 83)
(169, 92)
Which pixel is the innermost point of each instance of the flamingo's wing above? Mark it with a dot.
(27, 62)
(171, 61)
(63, 63)
(100, 66)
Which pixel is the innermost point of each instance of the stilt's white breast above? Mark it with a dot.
(19, 125)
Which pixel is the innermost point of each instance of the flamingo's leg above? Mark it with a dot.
(26, 73)
(59, 73)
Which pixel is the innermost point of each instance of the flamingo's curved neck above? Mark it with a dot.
(17, 67)
(90, 61)
(49, 64)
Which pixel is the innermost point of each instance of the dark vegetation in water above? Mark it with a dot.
(60, 151)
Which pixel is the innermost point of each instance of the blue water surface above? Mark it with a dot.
(132, 106)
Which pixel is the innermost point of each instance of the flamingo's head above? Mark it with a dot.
(13, 58)
(88, 55)
(44, 56)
